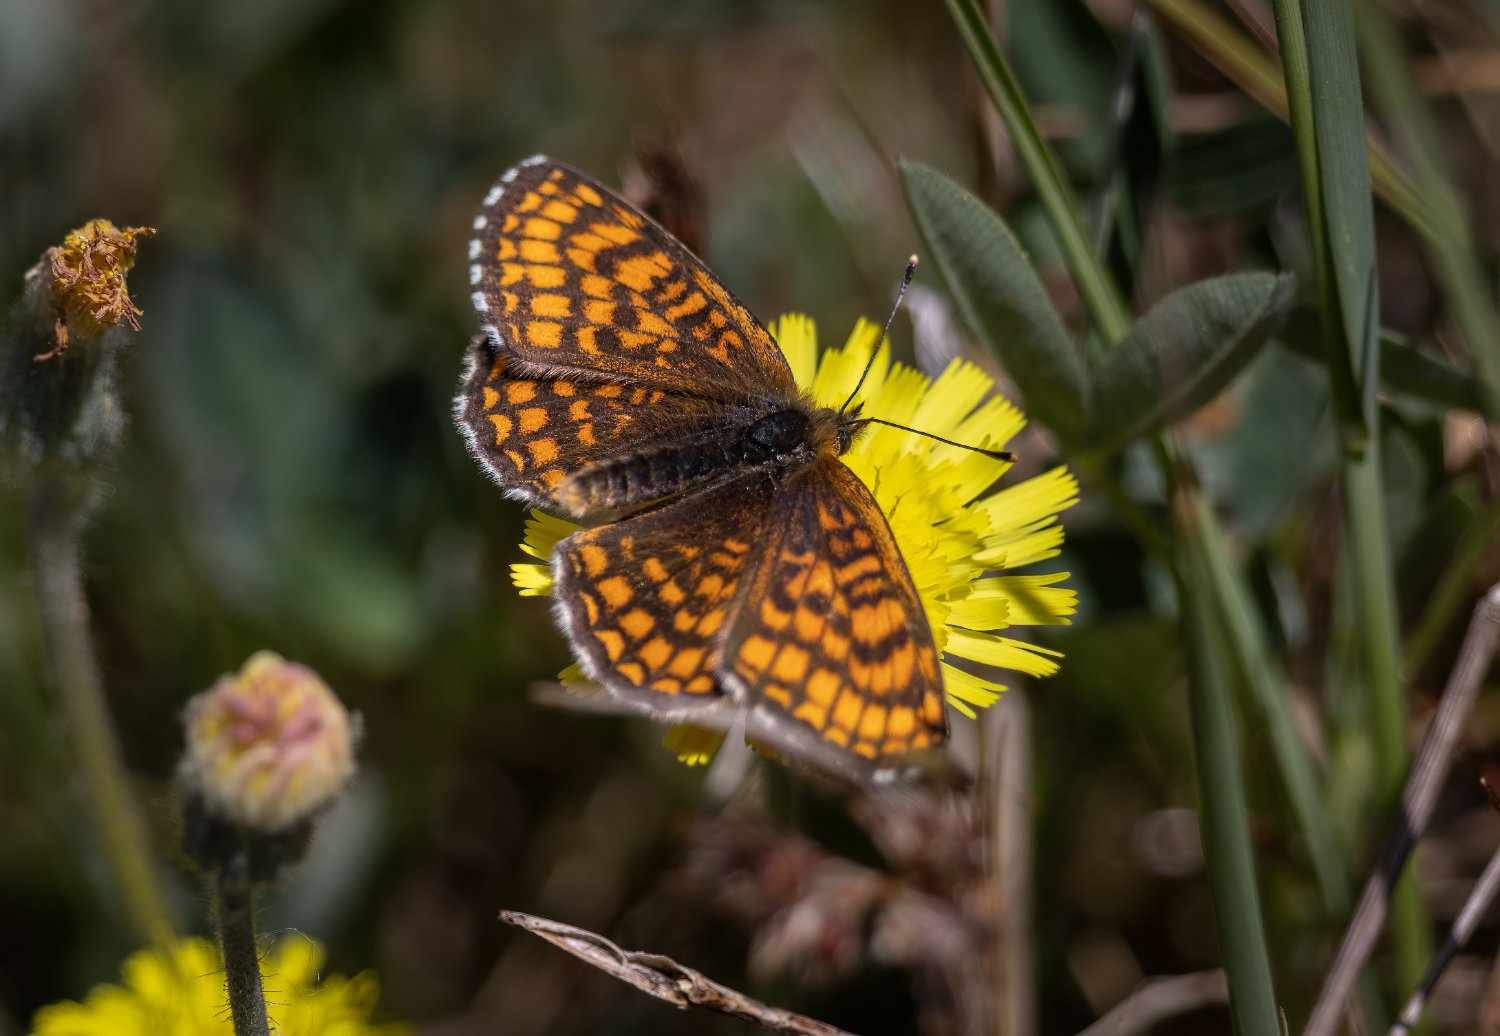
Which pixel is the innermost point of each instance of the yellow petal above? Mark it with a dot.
(1031, 600)
(980, 613)
(1005, 652)
(965, 689)
(693, 746)
(532, 580)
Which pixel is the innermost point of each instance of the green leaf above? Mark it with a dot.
(1406, 369)
(1183, 352)
(1000, 298)
(1327, 114)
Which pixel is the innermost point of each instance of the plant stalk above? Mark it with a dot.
(1226, 834)
(1364, 523)
(56, 521)
(1098, 290)
(1452, 589)
(235, 906)
(1226, 831)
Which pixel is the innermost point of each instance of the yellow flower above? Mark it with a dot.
(269, 745)
(960, 537)
(180, 992)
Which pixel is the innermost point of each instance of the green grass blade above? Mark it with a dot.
(1425, 199)
(1406, 370)
(1327, 111)
(1454, 586)
(1225, 828)
(1098, 291)
(1267, 688)
(1328, 124)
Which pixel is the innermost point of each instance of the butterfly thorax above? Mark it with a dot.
(778, 442)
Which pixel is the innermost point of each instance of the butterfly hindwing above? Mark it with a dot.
(646, 600)
(832, 642)
(568, 277)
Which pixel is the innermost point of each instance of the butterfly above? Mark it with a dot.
(735, 560)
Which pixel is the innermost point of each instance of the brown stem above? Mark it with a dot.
(1417, 803)
(1468, 919)
(1158, 999)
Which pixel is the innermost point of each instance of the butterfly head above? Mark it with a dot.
(849, 427)
(808, 431)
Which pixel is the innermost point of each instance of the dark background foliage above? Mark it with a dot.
(293, 479)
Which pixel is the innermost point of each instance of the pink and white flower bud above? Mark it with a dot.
(268, 746)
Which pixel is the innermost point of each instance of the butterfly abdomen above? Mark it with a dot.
(782, 439)
(644, 476)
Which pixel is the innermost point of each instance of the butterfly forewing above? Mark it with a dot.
(568, 277)
(531, 433)
(832, 635)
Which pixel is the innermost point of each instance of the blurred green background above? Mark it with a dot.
(293, 480)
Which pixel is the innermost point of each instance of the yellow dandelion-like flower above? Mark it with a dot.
(961, 537)
(180, 992)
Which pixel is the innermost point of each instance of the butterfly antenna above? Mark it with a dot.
(911, 271)
(996, 454)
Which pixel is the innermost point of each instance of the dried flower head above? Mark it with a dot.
(65, 419)
(269, 746)
(88, 281)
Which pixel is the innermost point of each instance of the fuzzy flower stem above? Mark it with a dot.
(234, 897)
(56, 518)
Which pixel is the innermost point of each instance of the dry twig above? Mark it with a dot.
(667, 980)
(1417, 803)
(1463, 927)
(1159, 999)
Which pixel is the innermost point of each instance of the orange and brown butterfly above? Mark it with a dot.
(735, 557)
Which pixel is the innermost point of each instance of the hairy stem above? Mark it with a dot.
(56, 518)
(235, 903)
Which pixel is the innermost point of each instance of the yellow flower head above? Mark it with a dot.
(268, 746)
(961, 538)
(180, 992)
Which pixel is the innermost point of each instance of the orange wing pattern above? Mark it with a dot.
(646, 600)
(531, 433)
(793, 599)
(568, 278)
(832, 641)
(778, 595)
